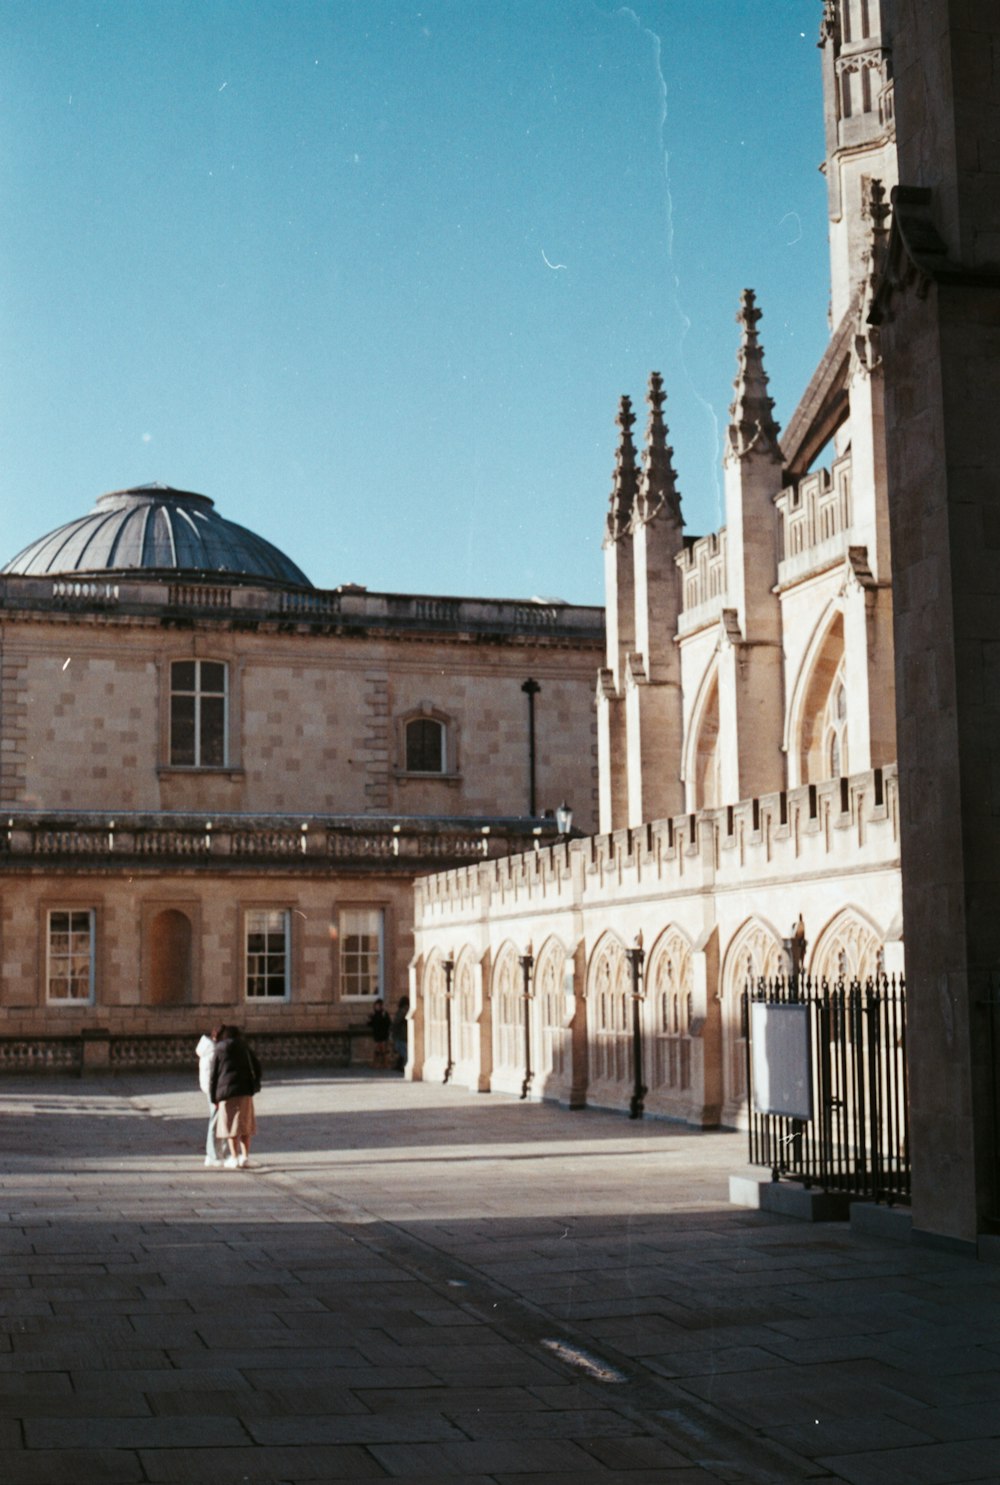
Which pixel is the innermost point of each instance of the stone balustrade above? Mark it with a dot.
(406, 843)
(349, 606)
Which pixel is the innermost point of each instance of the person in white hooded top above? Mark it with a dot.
(205, 1052)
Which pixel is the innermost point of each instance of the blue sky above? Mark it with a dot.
(374, 275)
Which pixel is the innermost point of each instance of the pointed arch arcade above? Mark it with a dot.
(755, 952)
(850, 947)
(669, 998)
(610, 1038)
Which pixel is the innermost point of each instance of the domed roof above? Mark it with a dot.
(155, 529)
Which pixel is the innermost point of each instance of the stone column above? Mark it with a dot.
(939, 308)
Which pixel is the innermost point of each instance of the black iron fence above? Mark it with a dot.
(826, 1080)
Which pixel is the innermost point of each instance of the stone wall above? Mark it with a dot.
(713, 896)
(316, 702)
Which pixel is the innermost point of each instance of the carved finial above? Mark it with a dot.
(874, 204)
(625, 480)
(658, 482)
(752, 424)
(877, 210)
(828, 25)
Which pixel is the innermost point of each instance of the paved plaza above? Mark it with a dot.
(421, 1284)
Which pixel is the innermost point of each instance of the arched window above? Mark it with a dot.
(820, 719)
(835, 728)
(708, 789)
(425, 745)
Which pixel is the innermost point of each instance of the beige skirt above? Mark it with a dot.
(236, 1119)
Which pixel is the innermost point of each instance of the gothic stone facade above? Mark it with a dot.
(746, 719)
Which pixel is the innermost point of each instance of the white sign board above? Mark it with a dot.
(781, 1060)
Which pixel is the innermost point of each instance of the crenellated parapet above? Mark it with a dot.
(815, 515)
(847, 824)
(701, 902)
(702, 568)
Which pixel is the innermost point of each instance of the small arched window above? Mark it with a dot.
(425, 745)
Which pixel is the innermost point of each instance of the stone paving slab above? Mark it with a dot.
(418, 1284)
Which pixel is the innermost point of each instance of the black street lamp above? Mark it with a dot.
(636, 957)
(531, 689)
(795, 948)
(448, 965)
(527, 962)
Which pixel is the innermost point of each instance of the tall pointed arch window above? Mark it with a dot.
(708, 781)
(835, 728)
(819, 722)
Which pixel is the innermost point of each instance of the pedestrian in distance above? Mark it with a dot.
(236, 1077)
(400, 1043)
(205, 1052)
(380, 1023)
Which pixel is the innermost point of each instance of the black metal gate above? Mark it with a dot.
(856, 1139)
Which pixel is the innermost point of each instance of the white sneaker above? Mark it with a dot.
(213, 1163)
(242, 1162)
(231, 1163)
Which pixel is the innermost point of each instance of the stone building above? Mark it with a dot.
(745, 713)
(938, 308)
(217, 783)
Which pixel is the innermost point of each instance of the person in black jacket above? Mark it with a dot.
(380, 1023)
(234, 1081)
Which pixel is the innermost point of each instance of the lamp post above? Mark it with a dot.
(448, 965)
(795, 947)
(531, 689)
(564, 819)
(527, 962)
(636, 957)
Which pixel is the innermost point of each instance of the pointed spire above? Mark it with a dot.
(752, 424)
(658, 482)
(625, 481)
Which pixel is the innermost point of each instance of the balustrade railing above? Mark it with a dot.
(403, 843)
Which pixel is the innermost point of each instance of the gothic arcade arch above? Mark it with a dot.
(552, 1016)
(669, 1004)
(608, 989)
(850, 947)
(435, 1009)
(755, 952)
(508, 1011)
(465, 1012)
